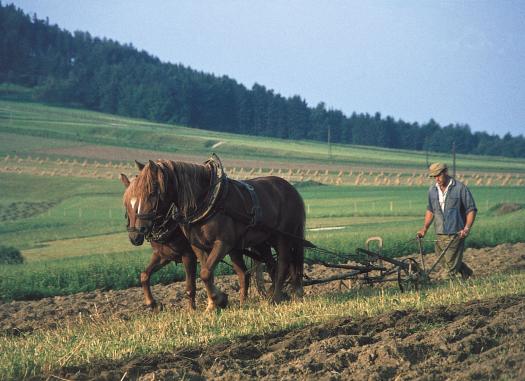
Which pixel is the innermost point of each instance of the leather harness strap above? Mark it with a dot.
(256, 213)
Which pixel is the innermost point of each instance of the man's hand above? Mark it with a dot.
(464, 233)
(421, 233)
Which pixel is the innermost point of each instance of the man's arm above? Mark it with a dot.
(471, 210)
(471, 217)
(429, 217)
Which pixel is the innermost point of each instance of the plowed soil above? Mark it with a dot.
(479, 340)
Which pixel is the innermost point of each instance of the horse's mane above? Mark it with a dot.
(186, 177)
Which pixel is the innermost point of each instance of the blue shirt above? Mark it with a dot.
(458, 203)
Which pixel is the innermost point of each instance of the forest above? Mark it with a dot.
(77, 69)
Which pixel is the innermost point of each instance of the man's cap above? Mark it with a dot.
(436, 168)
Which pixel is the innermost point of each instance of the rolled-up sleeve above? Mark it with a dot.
(429, 202)
(468, 200)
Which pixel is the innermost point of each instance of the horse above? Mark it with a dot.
(174, 247)
(261, 213)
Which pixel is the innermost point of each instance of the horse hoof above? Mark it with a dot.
(222, 301)
(155, 307)
(276, 299)
(298, 295)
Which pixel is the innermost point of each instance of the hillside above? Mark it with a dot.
(37, 130)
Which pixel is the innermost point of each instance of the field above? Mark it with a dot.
(60, 204)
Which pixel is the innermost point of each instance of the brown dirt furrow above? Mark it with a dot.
(478, 340)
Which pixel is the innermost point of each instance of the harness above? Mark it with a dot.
(253, 218)
(218, 189)
(214, 202)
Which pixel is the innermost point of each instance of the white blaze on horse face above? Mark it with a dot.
(133, 202)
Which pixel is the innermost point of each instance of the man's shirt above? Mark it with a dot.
(443, 194)
(457, 202)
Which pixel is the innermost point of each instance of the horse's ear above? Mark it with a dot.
(124, 179)
(140, 166)
(153, 166)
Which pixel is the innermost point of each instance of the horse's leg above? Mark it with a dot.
(242, 272)
(155, 264)
(283, 265)
(190, 266)
(296, 271)
(216, 298)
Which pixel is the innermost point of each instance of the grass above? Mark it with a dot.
(73, 236)
(70, 275)
(72, 126)
(79, 220)
(100, 339)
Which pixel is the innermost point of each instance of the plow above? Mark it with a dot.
(369, 265)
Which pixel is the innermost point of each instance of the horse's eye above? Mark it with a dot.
(126, 215)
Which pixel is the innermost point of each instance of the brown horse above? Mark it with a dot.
(177, 249)
(229, 224)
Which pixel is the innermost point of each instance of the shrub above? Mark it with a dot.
(10, 255)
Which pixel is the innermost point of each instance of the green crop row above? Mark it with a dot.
(81, 274)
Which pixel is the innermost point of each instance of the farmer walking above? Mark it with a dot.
(452, 209)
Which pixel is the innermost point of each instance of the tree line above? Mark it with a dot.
(104, 75)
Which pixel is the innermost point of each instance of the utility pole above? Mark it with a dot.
(454, 158)
(329, 144)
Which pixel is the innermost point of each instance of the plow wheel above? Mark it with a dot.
(260, 278)
(408, 277)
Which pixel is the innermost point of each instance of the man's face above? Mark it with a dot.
(442, 179)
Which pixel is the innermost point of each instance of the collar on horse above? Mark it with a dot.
(218, 188)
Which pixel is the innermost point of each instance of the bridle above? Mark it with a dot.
(151, 216)
(162, 225)
(158, 231)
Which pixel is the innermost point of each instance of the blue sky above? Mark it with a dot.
(454, 61)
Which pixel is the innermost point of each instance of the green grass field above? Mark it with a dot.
(61, 127)
(67, 226)
(79, 242)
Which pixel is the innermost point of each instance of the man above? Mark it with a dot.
(453, 210)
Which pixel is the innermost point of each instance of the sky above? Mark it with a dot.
(453, 61)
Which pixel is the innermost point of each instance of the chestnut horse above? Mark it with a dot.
(177, 249)
(183, 187)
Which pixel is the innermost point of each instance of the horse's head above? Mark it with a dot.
(141, 200)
